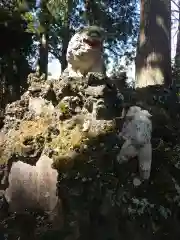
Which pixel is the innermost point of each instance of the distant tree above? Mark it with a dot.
(91, 7)
(120, 22)
(60, 31)
(15, 47)
(65, 32)
(44, 20)
(118, 18)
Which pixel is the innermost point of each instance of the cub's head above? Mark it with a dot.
(129, 112)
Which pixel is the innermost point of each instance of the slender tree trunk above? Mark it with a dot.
(43, 49)
(153, 59)
(2, 88)
(88, 11)
(65, 41)
(43, 55)
(178, 42)
(177, 57)
(66, 34)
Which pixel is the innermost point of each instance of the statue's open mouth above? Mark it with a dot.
(94, 43)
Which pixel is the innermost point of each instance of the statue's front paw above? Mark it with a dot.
(121, 159)
(145, 174)
(120, 135)
(137, 182)
(86, 126)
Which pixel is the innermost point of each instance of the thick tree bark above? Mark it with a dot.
(153, 59)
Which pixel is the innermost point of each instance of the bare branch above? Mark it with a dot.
(175, 33)
(177, 5)
(175, 11)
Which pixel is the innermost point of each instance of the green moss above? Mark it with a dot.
(109, 128)
(3, 160)
(68, 139)
(64, 108)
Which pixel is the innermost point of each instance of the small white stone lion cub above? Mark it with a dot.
(136, 132)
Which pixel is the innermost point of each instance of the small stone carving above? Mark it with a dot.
(136, 132)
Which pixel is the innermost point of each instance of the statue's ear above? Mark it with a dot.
(146, 113)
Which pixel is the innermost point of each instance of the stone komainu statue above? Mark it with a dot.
(85, 52)
(136, 132)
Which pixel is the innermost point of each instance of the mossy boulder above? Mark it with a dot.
(99, 199)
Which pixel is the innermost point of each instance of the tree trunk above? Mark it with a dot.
(153, 59)
(44, 35)
(88, 11)
(43, 55)
(65, 42)
(66, 35)
(177, 57)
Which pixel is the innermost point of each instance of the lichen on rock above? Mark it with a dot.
(48, 121)
(79, 188)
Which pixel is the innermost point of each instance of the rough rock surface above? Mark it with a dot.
(32, 187)
(45, 128)
(75, 126)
